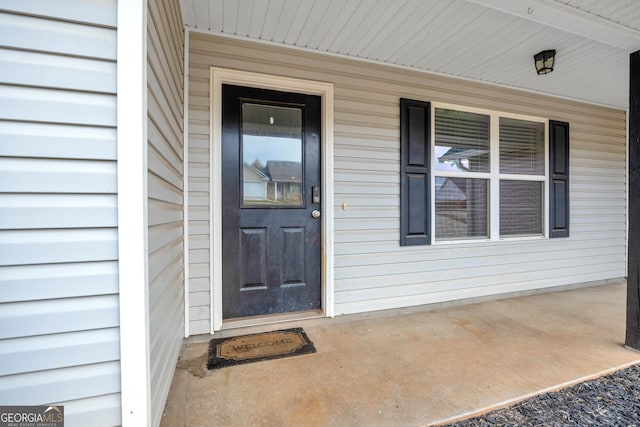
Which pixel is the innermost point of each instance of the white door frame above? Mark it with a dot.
(220, 76)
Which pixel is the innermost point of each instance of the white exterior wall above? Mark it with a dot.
(165, 41)
(59, 322)
(372, 271)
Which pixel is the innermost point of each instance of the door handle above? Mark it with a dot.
(315, 214)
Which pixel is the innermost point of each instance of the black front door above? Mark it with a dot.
(270, 202)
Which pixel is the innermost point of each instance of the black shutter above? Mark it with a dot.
(559, 173)
(415, 129)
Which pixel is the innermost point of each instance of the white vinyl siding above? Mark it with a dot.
(199, 206)
(59, 309)
(372, 271)
(165, 186)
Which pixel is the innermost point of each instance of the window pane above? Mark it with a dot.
(462, 141)
(461, 208)
(520, 208)
(271, 156)
(521, 147)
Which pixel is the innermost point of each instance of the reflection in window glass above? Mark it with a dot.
(461, 141)
(521, 207)
(461, 208)
(521, 147)
(272, 173)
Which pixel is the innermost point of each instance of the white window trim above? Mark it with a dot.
(218, 77)
(494, 176)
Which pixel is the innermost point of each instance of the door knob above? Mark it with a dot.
(315, 214)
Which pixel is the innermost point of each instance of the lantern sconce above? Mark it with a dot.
(544, 61)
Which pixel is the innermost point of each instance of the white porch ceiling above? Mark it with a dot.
(492, 41)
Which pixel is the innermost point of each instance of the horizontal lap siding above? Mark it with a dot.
(165, 188)
(199, 214)
(371, 270)
(59, 310)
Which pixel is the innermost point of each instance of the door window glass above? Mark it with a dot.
(272, 173)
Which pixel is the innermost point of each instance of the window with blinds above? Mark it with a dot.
(522, 160)
(480, 158)
(521, 208)
(462, 141)
(521, 147)
(461, 208)
(462, 155)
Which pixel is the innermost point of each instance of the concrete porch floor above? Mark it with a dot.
(411, 369)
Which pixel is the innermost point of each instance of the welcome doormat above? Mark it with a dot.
(255, 347)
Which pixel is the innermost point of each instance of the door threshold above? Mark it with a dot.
(243, 322)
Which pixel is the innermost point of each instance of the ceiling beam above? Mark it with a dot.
(569, 19)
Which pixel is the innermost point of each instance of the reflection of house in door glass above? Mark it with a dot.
(286, 182)
(278, 183)
(271, 155)
(255, 184)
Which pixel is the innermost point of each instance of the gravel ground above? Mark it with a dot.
(611, 400)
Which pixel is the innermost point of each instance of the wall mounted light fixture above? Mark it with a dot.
(544, 61)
